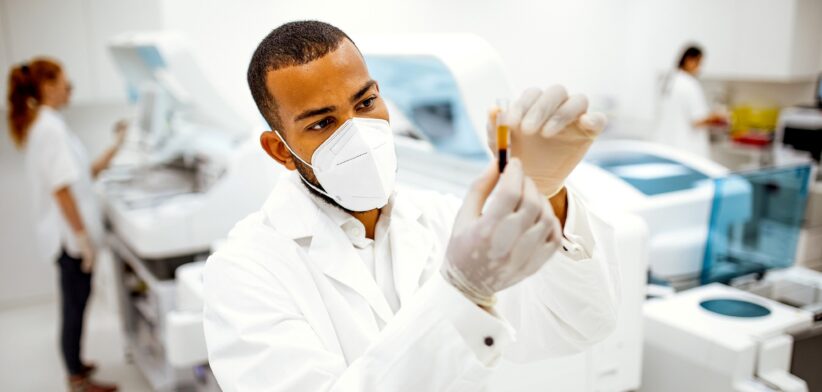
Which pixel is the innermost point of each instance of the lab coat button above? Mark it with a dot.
(489, 341)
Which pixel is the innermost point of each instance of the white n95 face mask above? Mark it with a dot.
(357, 165)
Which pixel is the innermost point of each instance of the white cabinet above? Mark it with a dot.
(762, 44)
(75, 32)
(775, 40)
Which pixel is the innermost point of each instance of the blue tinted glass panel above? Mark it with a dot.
(426, 92)
(151, 57)
(755, 222)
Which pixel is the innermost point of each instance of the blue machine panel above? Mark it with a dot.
(755, 222)
(650, 174)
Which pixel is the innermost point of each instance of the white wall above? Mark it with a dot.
(75, 32)
(575, 43)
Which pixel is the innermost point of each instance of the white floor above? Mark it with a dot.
(30, 355)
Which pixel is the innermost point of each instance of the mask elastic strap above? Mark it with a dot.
(292, 151)
(294, 154)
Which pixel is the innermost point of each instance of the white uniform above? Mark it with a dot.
(55, 158)
(298, 300)
(683, 103)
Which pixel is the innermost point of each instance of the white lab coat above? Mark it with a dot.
(683, 103)
(290, 306)
(56, 158)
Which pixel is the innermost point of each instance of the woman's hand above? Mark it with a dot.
(103, 162)
(120, 132)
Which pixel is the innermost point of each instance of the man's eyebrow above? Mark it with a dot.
(314, 112)
(362, 91)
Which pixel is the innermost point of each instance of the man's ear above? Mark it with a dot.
(275, 148)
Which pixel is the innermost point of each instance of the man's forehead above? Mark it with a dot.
(322, 82)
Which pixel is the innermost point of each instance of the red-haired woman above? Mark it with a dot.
(68, 221)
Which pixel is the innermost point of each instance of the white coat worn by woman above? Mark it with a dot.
(68, 221)
(684, 115)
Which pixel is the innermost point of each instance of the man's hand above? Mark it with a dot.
(550, 133)
(514, 236)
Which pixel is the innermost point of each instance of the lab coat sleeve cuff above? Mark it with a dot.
(578, 240)
(486, 334)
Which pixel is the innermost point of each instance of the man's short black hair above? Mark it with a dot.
(294, 43)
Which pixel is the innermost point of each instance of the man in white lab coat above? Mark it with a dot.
(341, 283)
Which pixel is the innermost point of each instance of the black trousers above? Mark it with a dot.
(75, 287)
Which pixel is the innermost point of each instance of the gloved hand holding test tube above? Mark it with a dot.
(547, 134)
(548, 130)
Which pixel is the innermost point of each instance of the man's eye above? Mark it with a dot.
(368, 102)
(320, 125)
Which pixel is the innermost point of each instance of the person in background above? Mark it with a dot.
(68, 221)
(684, 116)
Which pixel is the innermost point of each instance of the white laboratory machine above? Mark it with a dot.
(190, 169)
(754, 324)
(710, 230)
(670, 190)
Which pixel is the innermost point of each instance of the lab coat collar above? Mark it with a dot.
(289, 210)
(293, 211)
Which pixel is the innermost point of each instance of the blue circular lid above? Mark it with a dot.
(734, 308)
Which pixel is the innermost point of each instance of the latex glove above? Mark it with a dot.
(87, 251)
(495, 249)
(550, 133)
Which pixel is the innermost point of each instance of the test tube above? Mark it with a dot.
(503, 134)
